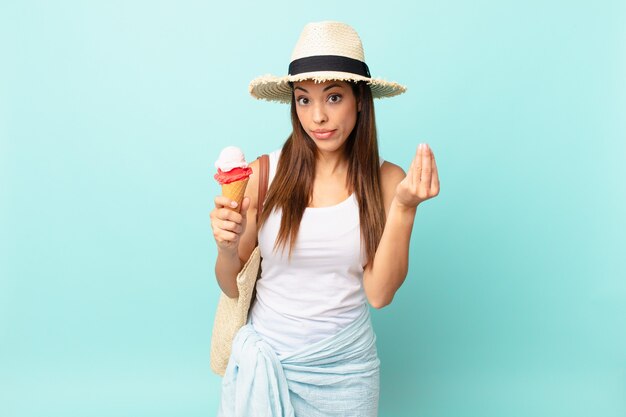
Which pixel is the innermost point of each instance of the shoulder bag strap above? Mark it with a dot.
(264, 173)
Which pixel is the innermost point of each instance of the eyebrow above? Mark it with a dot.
(325, 88)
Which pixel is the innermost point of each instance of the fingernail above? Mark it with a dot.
(233, 204)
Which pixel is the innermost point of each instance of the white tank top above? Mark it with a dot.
(320, 290)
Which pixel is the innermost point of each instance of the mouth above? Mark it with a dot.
(323, 133)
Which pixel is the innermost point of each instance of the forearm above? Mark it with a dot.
(227, 267)
(391, 262)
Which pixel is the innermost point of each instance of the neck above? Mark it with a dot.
(329, 164)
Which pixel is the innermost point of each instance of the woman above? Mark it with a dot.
(334, 236)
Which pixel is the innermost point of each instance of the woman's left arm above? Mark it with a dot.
(401, 194)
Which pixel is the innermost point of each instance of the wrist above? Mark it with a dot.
(228, 253)
(403, 208)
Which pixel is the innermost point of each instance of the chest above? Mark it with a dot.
(327, 236)
(328, 193)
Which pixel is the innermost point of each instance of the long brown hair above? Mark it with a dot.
(292, 186)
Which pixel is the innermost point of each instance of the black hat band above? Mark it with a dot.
(328, 63)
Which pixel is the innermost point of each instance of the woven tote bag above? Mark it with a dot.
(232, 313)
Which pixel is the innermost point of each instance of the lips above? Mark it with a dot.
(323, 133)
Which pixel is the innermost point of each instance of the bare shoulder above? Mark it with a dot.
(253, 185)
(390, 176)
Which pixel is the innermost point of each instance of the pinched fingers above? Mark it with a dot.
(434, 183)
(415, 169)
(422, 179)
(420, 171)
(426, 171)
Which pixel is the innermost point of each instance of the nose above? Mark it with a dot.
(319, 114)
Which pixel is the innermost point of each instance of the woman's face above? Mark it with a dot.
(327, 112)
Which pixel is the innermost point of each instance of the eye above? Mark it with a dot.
(303, 101)
(334, 98)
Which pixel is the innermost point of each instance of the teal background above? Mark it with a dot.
(112, 113)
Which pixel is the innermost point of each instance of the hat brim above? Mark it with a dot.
(273, 88)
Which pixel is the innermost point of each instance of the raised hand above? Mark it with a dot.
(421, 181)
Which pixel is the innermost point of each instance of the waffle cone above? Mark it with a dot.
(235, 191)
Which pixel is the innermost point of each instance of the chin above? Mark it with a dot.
(329, 147)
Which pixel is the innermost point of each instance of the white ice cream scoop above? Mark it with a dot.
(231, 157)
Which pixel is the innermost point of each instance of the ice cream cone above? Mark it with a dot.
(235, 191)
(233, 173)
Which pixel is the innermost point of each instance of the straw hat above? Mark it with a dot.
(325, 51)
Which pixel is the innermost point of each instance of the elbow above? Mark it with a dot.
(230, 292)
(380, 302)
(379, 296)
(380, 288)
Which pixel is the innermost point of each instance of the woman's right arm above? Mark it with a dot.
(235, 234)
